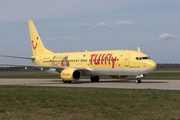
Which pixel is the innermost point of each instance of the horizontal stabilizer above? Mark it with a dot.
(29, 58)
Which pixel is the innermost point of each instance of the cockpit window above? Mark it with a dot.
(142, 58)
(138, 58)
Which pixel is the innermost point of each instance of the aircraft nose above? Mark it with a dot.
(152, 65)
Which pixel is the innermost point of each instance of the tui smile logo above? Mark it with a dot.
(34, 46)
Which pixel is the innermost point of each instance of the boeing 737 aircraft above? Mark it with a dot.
(71, 66)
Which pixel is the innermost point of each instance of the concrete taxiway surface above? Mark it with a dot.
(104, 83)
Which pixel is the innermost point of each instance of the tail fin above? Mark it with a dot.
(36, 43)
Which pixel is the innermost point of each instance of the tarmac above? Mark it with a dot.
(103, 83)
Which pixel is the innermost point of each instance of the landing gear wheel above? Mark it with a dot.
(64, 81)
(94, 78)
(69, 81)
(138, 80)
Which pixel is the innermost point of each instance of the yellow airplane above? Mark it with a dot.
(71, 66)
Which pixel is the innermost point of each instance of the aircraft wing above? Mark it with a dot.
(85, 71)
(58, 68)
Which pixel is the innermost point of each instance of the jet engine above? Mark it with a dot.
(71, 74)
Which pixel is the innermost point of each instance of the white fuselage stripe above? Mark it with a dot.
(122, 71)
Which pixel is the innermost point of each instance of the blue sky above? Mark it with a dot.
(76, 25)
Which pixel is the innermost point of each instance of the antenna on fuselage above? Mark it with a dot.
(139, 49)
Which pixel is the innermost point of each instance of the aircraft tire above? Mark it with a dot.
(138, 80)
(64, 81)
(94, 78)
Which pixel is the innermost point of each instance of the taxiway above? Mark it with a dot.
(104, 83)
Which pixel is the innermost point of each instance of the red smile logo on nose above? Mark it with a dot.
(34, 46)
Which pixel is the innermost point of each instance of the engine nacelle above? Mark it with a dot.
(118, 76)
(71, 74)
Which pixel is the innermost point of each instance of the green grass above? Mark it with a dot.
(171, 75)
(164, 75)
(63, 103)
(28, 74)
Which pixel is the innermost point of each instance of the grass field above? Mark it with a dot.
(65, 103)
(163, 74)
(61, 103)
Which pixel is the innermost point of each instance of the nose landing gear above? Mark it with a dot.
(138, 80)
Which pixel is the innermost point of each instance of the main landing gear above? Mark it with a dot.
(64, 81)
(94, 78)
(138, 80)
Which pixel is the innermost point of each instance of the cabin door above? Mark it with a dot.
(126, 60)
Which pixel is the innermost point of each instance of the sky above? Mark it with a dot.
(76, 25)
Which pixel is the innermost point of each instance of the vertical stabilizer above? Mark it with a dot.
(36, 43)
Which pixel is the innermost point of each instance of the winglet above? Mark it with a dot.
(139, 49)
